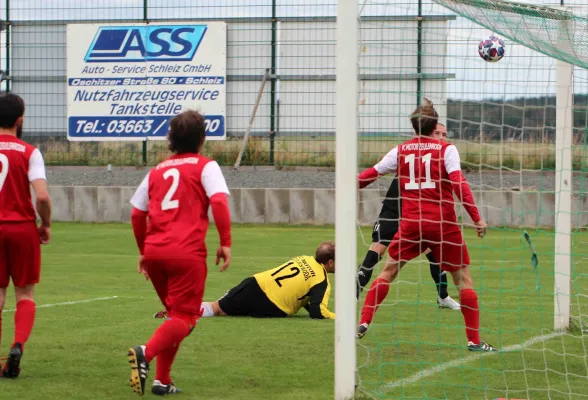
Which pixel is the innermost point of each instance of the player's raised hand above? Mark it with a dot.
(481, 228)
(223, 253)
(44, 234)
(141, 267)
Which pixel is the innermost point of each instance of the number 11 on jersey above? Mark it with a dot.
(413, 184)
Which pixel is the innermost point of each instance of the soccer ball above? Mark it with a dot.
(491, 49)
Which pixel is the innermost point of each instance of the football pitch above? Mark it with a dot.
(93, 306)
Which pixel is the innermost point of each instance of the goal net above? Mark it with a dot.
(521, 127)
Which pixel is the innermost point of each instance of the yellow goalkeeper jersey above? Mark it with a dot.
(301, 282)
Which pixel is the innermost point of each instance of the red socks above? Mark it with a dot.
(375, 296)
(169, 335)
(24, 319)
(471, 314)
(165, 359)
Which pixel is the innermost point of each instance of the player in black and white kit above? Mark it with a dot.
(385, 228)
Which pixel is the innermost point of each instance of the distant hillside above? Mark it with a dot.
(520, 119)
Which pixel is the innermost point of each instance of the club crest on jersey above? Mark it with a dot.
(145, 43)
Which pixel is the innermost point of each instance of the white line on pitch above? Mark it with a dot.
(460, 361)
(68, 303)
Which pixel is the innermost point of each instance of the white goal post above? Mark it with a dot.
(563, 195)
(346, 198)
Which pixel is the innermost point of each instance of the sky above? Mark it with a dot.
(522, 72)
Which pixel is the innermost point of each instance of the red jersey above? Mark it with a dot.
(176, 194)
(20, 163)
(423, 166)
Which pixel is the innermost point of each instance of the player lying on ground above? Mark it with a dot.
(175, 197)
(429, 172)
(384, 230)
(21, 165)
(281, 291)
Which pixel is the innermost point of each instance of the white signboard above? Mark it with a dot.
(126, 81)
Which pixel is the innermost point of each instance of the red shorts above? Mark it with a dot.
(179, 283)
(20, 254)
(446, 244)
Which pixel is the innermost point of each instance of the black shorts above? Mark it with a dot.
(247, 299)
(385, 227)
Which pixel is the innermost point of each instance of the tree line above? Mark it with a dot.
(522, 119)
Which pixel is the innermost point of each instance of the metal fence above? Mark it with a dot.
(407, 52)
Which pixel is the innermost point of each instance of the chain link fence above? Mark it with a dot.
(409, 50)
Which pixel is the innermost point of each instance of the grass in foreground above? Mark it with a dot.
(78, 350)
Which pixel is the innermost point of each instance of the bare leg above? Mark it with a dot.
(24, 293)
(212, 309)
(462, 278)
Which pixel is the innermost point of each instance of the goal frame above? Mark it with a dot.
(346, 197)
(563, 195)
(346, 193)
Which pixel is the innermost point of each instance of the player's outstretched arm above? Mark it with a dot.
(462, 190)
(387, 165)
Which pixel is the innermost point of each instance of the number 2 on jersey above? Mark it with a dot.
(295, 271)
(3, 170)
(413, 184)
(168, 203)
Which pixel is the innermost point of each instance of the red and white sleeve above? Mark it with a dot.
(217, 191)
(213, 180)
(140, 199)
(36, 166)
(140, 202)
(387, 165)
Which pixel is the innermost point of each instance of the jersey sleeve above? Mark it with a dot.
(36, 166)
(389, 163)
(213, 180)
(319, 300)
(140, 199)
(452, 161)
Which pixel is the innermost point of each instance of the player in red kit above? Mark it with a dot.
(170, 220)
(429, 173)
(21, 165)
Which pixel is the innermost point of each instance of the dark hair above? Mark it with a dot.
(325, 252)
(424, 119)
(187, 132)
(12, 107)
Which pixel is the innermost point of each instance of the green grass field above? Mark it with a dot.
(78, 350)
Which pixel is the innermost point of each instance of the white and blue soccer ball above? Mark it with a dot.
(491, 48)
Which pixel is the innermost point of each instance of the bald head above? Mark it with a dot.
(325, 255)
